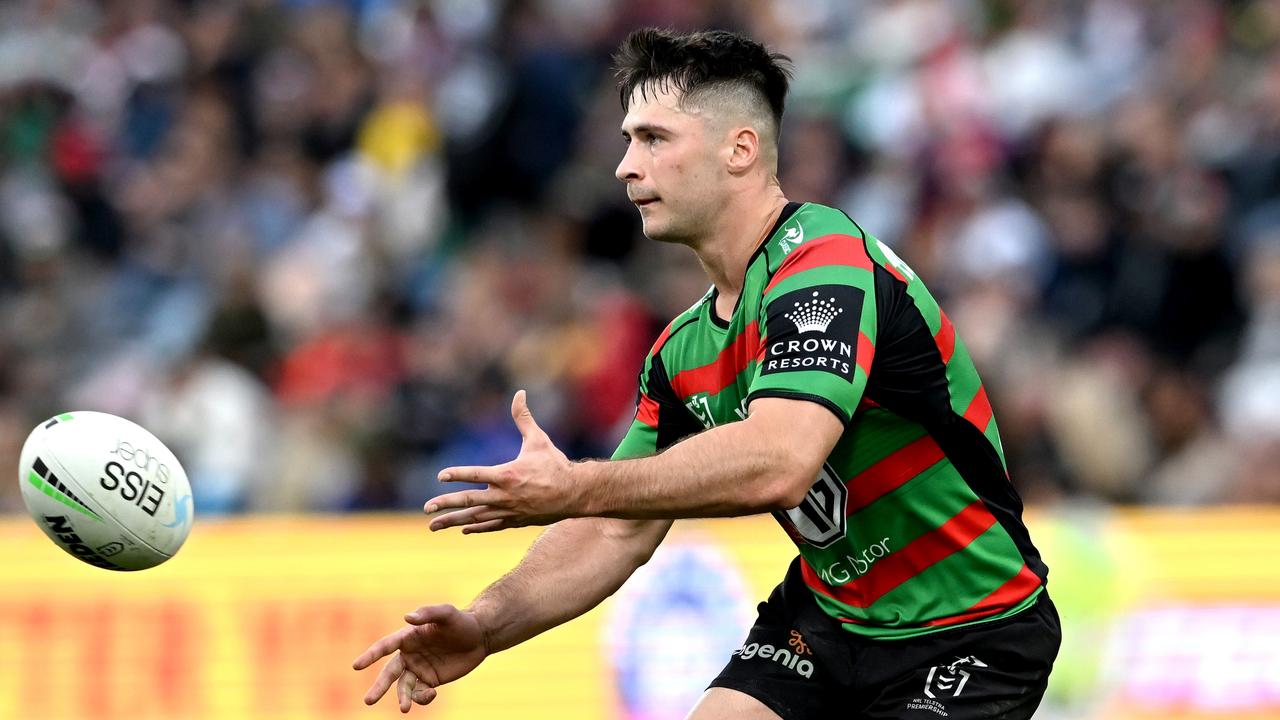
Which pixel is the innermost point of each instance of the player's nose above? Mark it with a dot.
(628, 169)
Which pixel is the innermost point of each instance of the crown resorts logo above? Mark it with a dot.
(814, 315)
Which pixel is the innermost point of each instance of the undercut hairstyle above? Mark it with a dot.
(712, 67)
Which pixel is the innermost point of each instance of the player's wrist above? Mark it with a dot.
(486, 618)
(582, 479)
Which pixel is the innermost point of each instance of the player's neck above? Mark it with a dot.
(741, 228)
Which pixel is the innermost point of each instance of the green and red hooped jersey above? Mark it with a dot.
(913, 525)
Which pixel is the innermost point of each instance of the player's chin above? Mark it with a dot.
(659, 230)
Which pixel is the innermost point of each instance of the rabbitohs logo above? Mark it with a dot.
(791, 238)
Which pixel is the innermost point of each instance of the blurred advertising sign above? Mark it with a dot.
(672, 627)
(260, 618)
(1167, 614)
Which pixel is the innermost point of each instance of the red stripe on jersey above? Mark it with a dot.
(979, 410)
(945, 338)
(717, 374)
(647, 411)
(919, 554)
(1001, 599)
(866, 351)
(891, 472)
(825, 250)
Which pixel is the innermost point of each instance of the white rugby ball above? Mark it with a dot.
(105, 490)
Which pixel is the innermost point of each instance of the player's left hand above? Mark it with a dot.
(534, 489)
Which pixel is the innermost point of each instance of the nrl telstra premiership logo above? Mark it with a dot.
(815, 314)
(949, 680)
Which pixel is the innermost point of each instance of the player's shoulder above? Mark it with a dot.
(812, 226)
(813, 237)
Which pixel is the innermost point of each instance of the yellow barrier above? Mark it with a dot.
(260, 617)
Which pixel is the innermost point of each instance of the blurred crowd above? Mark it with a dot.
(315, 246)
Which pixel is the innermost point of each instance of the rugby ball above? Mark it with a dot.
(105, 490)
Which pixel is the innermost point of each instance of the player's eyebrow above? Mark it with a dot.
(646, 128)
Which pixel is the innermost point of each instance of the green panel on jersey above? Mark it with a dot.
(872, 437)
(825, 275)
(688, 348)
(897, 518)
(950, 586)
(899, 630)
(640, 441)
(816, 384)
(725, 406)
(962, 379)
(948, 494)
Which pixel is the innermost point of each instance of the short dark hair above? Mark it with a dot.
(700, 61)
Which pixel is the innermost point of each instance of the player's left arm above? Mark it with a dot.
(818, 327)
(766, 462)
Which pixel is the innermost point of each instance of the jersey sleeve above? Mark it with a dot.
(818, 326)
(661, 420)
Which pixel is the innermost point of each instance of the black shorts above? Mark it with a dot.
(799, 662)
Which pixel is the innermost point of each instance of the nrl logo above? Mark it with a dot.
(792, 237)
(816, 314)
(950, 680)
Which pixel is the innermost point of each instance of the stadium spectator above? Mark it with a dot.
(313, 203)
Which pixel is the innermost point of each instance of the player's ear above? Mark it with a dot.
(744, 148)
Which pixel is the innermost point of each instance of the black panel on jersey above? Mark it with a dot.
(907, 373)
(908, 377)
(829, 316)
(675, 422)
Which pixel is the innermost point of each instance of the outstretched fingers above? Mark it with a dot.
(488, 474)
(469, 516)
(487, 526)
(379, 649)
(461, 500)
(404, 690)
(389, 674)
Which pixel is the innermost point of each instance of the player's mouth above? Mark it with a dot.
(642, 202)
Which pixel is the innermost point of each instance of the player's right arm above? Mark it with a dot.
(579, 562)
(572, 567)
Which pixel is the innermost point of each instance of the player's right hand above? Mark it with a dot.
(440, 645)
